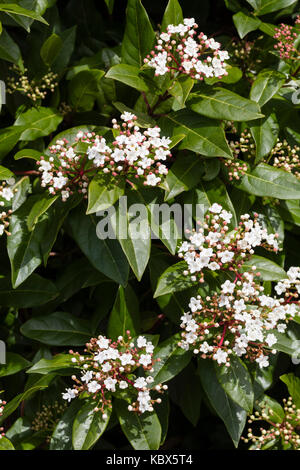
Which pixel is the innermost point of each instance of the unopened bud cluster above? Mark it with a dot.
(32, 88)
(245, 55)
(2, 405)
(177, 51)
(244, 146)
(110, 366)
(132, 155)
(7, 193)
(47, 419)
(284, 435)
(286, 157)
(286, 36)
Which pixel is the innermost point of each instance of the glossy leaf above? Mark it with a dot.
(142, 431)
(219, 103)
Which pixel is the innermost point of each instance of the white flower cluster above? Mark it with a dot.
(177, 51)
(239, 320)
(213, 247)
(109, 366)
(290, 287)
(7, 194)
(133, 154)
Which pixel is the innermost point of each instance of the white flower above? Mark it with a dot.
(106, 367)
(103, 342)
(271, 339)
(110, 384)
(69, 394)
(93, 386)
(141, 342)
(87, 376)
(215, 208)
(126, 116)
(195, 304)
(263, 361)
(153, 180)
(228, 287)
(226, 256)
(125, 359)
(123, 385)
(220, 356)
(140, 382)
(145, 359)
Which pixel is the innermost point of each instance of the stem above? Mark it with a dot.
(30, 172)
(147, 103)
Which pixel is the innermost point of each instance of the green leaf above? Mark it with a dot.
(143, 120)
(5, 173)
(8, 139)
(9, 49)
(173, 280)
(54, 365)
(173, 15)
(84, 89)
(139, 36)
(103, 193)
(28, 249)
(142, 431)
(266, 84)
(128, 74)
(28, 153)
(110, 5)
(236, 381)
(131, 226)
(233, 416)
(18, 10)
(290, 211)
(180, 90)
(39, 208)
(219, 103)
(5, 444)
(62, 436)
(88, 426)
(33, 292)
(269, 270)
(39, 122)
(271, 408)
(172, 359)
(162, 221)
(293, 384)
(202, 135)
(105, 255)
(14, 363)
(12, 405)
(58, 329)
(184, 174)
(186, 391)
(262, 7)
(50, 49)
(124, 315)
(266, 180)
(206, 194)
(264, 132)
(62, 59)
(245, 23)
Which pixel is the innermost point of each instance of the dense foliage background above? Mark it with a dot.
(74, 65)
